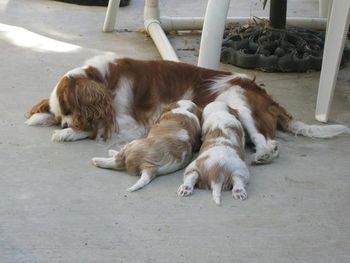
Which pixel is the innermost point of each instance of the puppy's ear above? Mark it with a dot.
(40, 114)
(169, 107)
(92, 108)
(166, 109)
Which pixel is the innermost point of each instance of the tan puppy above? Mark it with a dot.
(220, 164)
(168, 147)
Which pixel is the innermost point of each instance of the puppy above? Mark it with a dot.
(168, 147)
(220, 164)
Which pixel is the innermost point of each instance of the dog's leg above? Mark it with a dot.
(44, 119)
(107, 163)
(69, 134)
(216, 191)
(191, 177)
(266, 149)
(146, 177)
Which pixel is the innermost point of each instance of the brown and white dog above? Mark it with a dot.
(168, 147)
(126, 96)
(220, 164)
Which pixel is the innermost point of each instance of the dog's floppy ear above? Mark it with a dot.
(40, 114)
(92, 108)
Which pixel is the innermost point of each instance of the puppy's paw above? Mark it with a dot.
(98, 161)
(266, 154)
(239, 193)
(185, 190)
(63, 135)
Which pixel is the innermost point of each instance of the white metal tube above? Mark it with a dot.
(213, 31)
(196, 23)
(111, 15)
(160, 40)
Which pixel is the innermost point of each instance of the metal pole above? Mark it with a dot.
(278, 14)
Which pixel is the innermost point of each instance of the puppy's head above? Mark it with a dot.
(78, 102)
(218, 106)
(188, 115)
(183, 105)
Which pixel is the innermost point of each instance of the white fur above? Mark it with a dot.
(145, 179)
(69, 134)
(79, 71)
(45, 119)
(183, 135)
(317, 131)
(187, 113)
(129, 128)
(101, 63)
(108, 163)
(216, 192)
(185, 104)
(54, 103)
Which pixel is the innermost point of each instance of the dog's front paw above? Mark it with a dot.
(239, 193)
(63, 135)
(184, 190)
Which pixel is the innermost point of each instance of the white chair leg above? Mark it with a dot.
(323, 7)
(111, 15)
(338, 24)
(213, 31)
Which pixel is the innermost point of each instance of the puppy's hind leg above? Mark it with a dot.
(238, 190)
(116, 161)
(146, 177)
(190, 179)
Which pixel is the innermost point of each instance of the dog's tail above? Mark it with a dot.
(317, 131)
(286, 123)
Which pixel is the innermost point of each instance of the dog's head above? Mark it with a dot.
(78, 101)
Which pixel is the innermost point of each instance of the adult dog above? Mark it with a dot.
(126, 96)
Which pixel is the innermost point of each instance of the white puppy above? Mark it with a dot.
(220, 164)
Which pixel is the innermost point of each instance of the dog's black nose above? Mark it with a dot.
(64, 125)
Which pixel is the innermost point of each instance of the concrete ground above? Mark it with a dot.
(56, 207)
